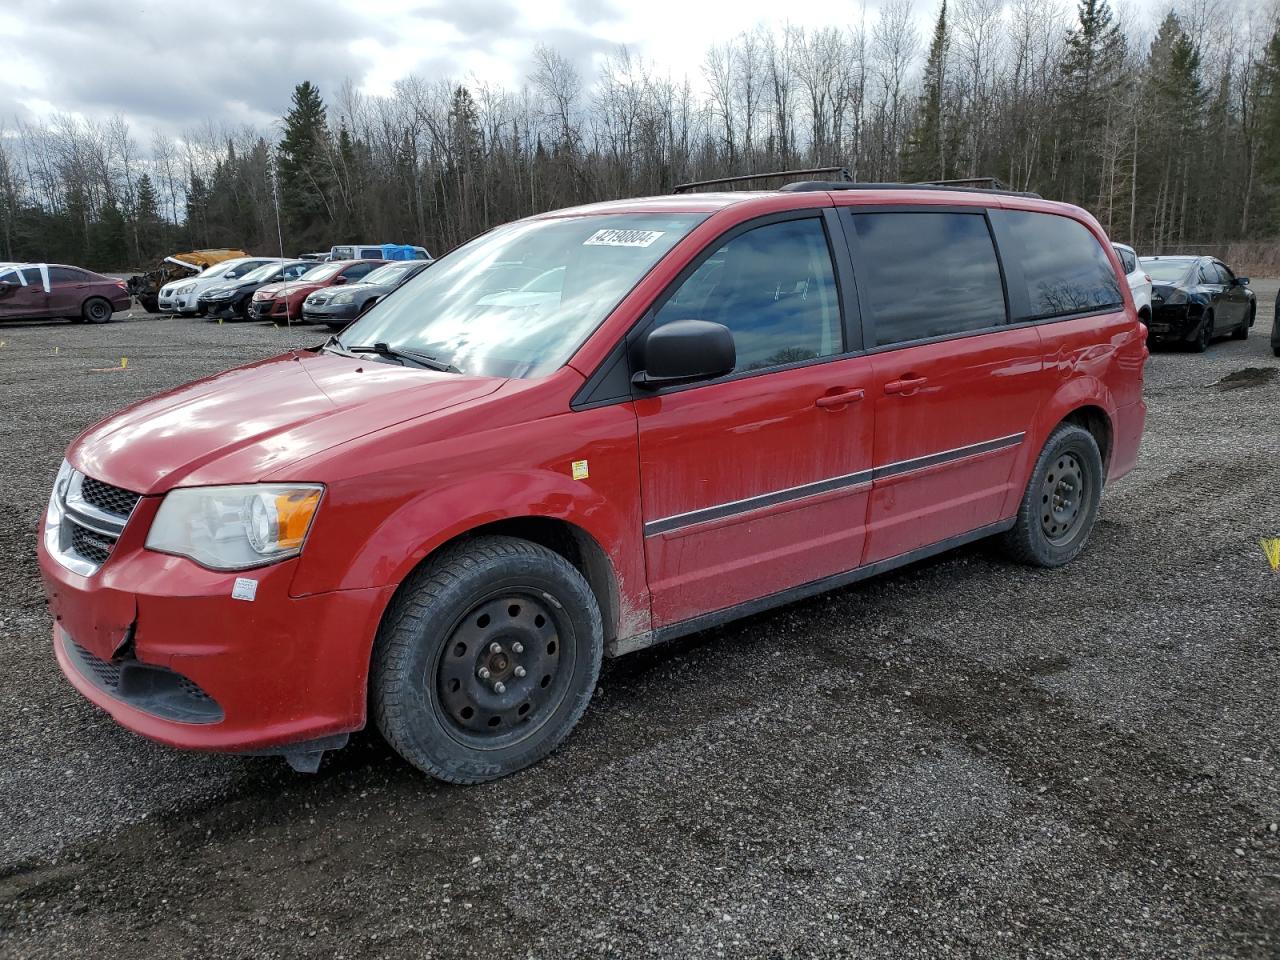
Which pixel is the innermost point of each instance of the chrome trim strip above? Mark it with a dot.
(747, 504)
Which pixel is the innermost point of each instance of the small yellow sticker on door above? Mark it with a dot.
(580, 471)
(1272, 549)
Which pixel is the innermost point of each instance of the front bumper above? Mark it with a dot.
(219, 308)
(335, 315)
(179, 303)
(268, 310)
(158, 643)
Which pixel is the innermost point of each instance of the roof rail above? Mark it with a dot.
(695, 184)
(965, 186)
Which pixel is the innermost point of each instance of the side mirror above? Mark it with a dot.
(1242, 281)
(339, 281)
(684, 352)
(7, 287)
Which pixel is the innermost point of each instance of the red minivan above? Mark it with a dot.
(579, 435)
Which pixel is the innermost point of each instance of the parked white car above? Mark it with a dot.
(183, 296)
(1139, 281)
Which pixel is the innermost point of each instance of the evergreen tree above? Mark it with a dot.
(306, 176)
(1269, 118)
(108, 243)
(1091, 74)
(146, 217)
(930, 150)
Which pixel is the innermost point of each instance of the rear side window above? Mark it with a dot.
(1064, 269)
(774, 288)
(1127, 260)
(65, 275)
(924, 275)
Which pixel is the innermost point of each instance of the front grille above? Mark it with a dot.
(106, 497)
(93, 546)
(104, 671)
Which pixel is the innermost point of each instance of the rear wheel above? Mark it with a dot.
(1060, 505)
(486, 659)
(96, 310)
(1204, 336)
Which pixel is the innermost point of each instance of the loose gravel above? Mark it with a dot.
(965, 758)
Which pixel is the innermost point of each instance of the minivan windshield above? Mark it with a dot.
(516, 302)
(1166, 271)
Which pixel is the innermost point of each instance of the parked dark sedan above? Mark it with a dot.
(1194, 299)
(231, 299)
(338, 306)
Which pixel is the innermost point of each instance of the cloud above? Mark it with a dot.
(592, 12)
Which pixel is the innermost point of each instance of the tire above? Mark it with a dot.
(1204, 335)
(495, 604)
(1053, 538)
(1242, 332)
(96, 310)
(1275, 351)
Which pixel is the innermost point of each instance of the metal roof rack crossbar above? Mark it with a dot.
(695, 184)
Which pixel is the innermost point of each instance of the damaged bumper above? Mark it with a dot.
(160, 644)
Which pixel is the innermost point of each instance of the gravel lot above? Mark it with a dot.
(965, 758)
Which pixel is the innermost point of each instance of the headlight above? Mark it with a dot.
(347, 296)
(234, 528)
(185, 288)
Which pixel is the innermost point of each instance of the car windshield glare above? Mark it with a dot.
(518, 301)
(388, 274)
(260, 273)
(321, 273)
(1166, 271)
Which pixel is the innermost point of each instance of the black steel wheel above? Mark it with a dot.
(486, 659)
(1063, 495)
(1060, 503)
(503, 671)
(96, 310)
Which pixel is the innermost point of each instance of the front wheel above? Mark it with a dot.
(96, 310)
(1061, 502)
(486, 659)
(1242, 332)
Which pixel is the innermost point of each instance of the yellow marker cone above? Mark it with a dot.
(124, 362)
(219, 321)
(1272, 549)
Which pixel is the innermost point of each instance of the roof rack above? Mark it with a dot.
(695, 184)
(972, 185)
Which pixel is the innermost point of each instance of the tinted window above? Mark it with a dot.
(1207, 273)
(774, 288)
(33, 276)
(358, 270)
(65, 275)
(926, 275)
(1063, 266)
(1127, 259)
(294, 271)
(1224, 275)
(236, 272)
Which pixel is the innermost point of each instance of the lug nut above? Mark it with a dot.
(484, 673)
(517, 647)
(519, 671)
(500, 687)
(495, 648)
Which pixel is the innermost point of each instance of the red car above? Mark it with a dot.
(32, 291)
(582, 434)
(283, 301)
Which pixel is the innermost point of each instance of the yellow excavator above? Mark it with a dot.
(146, 286)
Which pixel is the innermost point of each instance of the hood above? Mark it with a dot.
(294, 288)
(271, 289)
(245, 424)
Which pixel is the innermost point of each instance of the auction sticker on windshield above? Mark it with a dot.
(622, 238)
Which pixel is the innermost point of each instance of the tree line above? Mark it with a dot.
(1169, 133)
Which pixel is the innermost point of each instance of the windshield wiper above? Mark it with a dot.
(383, 349)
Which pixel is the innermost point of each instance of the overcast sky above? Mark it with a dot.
(171, 65)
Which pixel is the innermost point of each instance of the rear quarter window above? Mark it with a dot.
(1056, 266)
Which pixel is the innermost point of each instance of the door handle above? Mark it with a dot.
(833, 401)
(905, 385)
